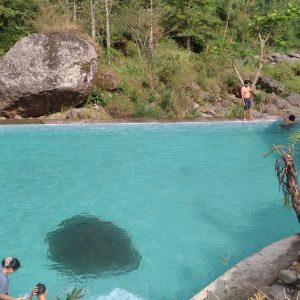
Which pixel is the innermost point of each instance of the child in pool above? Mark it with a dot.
(39, 291)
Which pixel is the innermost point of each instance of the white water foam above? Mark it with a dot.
(119, 294)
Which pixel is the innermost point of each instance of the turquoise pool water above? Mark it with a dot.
(187, 194)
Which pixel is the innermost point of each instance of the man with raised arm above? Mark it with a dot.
(246, 98)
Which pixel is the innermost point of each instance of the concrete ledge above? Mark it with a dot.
(260, 269)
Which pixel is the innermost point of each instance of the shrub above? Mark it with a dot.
(96, 97)
(75, 294)
(120, 107)
(234, 110)
(144, 110)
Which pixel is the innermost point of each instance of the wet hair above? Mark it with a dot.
(292, 117)
(41, 288)
(247, 82)
(13, 264)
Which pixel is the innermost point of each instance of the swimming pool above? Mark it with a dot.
(187, 194)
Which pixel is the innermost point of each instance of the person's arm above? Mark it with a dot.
(7, 297)
(33, 293)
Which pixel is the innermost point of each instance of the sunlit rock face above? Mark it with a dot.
(85, 245)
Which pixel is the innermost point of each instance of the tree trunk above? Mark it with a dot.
(238, 75)
(93, 20)
(188, 43)
(107, 26)
(292, 182)
(261, 58)
(227, 20)
(74, 11)
(151, 39)
(188, 39)
(139, 51)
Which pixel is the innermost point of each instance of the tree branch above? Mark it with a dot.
(238, 74)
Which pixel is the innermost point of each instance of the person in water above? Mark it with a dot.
(289, 120)
(39, 291)
(246, 98)
(8, 266)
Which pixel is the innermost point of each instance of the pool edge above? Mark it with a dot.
(259, 269)
(131, 121)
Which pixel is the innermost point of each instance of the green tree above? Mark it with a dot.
(16, 21)
(193, 21)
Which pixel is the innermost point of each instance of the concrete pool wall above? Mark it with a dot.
(260, 269)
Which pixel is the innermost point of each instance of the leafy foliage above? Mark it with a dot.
(285, 159)
(194, 41)
(75, 294)
(16, 21)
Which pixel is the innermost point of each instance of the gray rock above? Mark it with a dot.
(272, 109)
(271, 85)
(294, 99)
(81, 115)
(260, 269)
(288, 276)
(288, 57)
(109, 80)
(276, 292)
(193, 86)
(290, 290)
(46, 73)
(204, 115)
(281, 103)
(195, 105)
(294, 55)
(98, 108)
(256, 113)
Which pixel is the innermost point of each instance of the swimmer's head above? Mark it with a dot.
(292, 118)
(40, 289)
(11, 264)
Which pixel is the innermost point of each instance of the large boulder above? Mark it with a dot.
(294, 99)
(46, 73)
(271, 85)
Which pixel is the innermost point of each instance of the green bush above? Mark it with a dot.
(120, 107)
(234, 110)
(96, 97)
(167, 101)
(144, 110)
(75, 294)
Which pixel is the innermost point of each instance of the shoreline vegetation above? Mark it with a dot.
(133, 121)
(165, 58)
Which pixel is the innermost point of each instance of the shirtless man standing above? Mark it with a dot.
(246, 98)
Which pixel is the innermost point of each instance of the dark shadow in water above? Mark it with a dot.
(85, 245)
